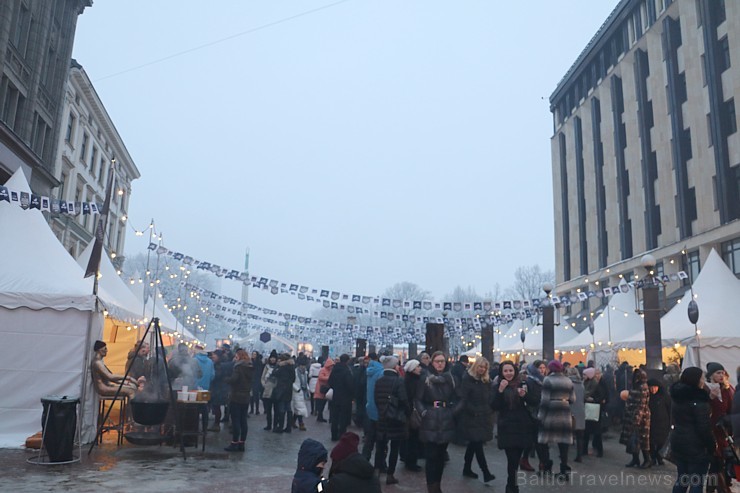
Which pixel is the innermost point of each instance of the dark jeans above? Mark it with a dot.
(513, 456)
(691, 477)
(281, 407)
(369, 439)
(476, 449)
(320, 405)
(435, 463)
(254, 402)
(341, 419)
(238, 421)
(593, 428)
(382, 449)
(268, 405)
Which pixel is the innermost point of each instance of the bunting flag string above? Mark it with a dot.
(334, 299)
(29, 201)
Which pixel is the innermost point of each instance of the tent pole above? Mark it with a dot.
(86, 361)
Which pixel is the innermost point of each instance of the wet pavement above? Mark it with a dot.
(269, 463)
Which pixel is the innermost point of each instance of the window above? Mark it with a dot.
(102, 170)
(718, 11)
(83, 148)
(724, 54)
(730, 118)
(692, 266)
(41, 136)
(60, 191)
(93, 159)
(70, 128)
(12, 104)
(731, 255)
(21, 28)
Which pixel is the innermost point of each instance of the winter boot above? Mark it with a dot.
(391, 479)
(564, 474)
(434, 488)
(487, 476)
(512, 489)
(579, 447)
(648, 462)
(634, 462)
(240, 446)
(233, 447)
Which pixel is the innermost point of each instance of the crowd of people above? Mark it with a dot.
(410, 412)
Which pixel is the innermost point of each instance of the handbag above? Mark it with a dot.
(415, 420)
(593, 411)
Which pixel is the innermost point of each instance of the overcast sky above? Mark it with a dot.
(362, 144)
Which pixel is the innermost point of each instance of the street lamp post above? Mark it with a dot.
(548, 325)
(651, 311)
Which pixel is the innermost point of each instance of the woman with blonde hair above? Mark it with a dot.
(477, 416)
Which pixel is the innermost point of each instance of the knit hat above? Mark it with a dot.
(714, 367)
(653, 383)
(273, 354)
(589, 373)
(555, 366)
(389, 362)
(98, 345)
(347, 446)
(691, 376)
(411, 365)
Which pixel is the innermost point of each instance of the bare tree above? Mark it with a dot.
(528, 282)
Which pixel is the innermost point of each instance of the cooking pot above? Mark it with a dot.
(149, 413)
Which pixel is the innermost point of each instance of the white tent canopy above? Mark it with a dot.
(618, 322)
(46, 311)
(717, 293)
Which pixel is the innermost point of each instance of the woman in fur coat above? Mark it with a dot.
(555, 415)
(636, 421)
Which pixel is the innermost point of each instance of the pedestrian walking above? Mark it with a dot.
(476, 416)
(636, 421)
(594, 393)
(268, 385)
(240, 383)
(555, 414)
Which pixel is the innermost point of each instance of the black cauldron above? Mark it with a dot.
(144, 438)
(149, 413)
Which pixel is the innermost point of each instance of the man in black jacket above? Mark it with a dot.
(341, 382)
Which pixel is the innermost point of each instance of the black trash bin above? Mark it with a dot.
(59, 425)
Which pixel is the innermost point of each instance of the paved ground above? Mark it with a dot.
(269, 463)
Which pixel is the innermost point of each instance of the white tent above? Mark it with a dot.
(616, 323)
(46, 311)
(717, 292)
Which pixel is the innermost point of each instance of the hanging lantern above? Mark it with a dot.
(522, 336)
(693, 312)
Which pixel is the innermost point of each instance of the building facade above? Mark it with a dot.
(36, 38)
(87, 144)
(645, 149)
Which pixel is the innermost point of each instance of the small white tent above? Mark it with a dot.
(48, 317)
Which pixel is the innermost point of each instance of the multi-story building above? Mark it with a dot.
(85, 149)
(36, 38)
(645, 151)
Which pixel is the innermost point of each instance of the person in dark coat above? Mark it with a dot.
(721, 394)
(594, 392)
(282, 394)
(360, 376)
(390, 428)
(555, 414)
(240, 382)
(692, 441)
(623, 379)
(254, 403)
(433, 400)
(459, 369)
(476, 417)
(219, 388)
(636, 421)
(660, 419)
(516, 427)
(342, 382)
(411, 381)
(312, 458)
(350, 472)
(536, 372)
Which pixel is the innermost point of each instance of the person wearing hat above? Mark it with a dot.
(692, 441)
(390, 427)
(282, 394)
(268, 382)
(555, 415)
(636, 421)
(595, 392)
(721, 394)
(660, 418)
(105, 382)
(350, 471)
(312, 458)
